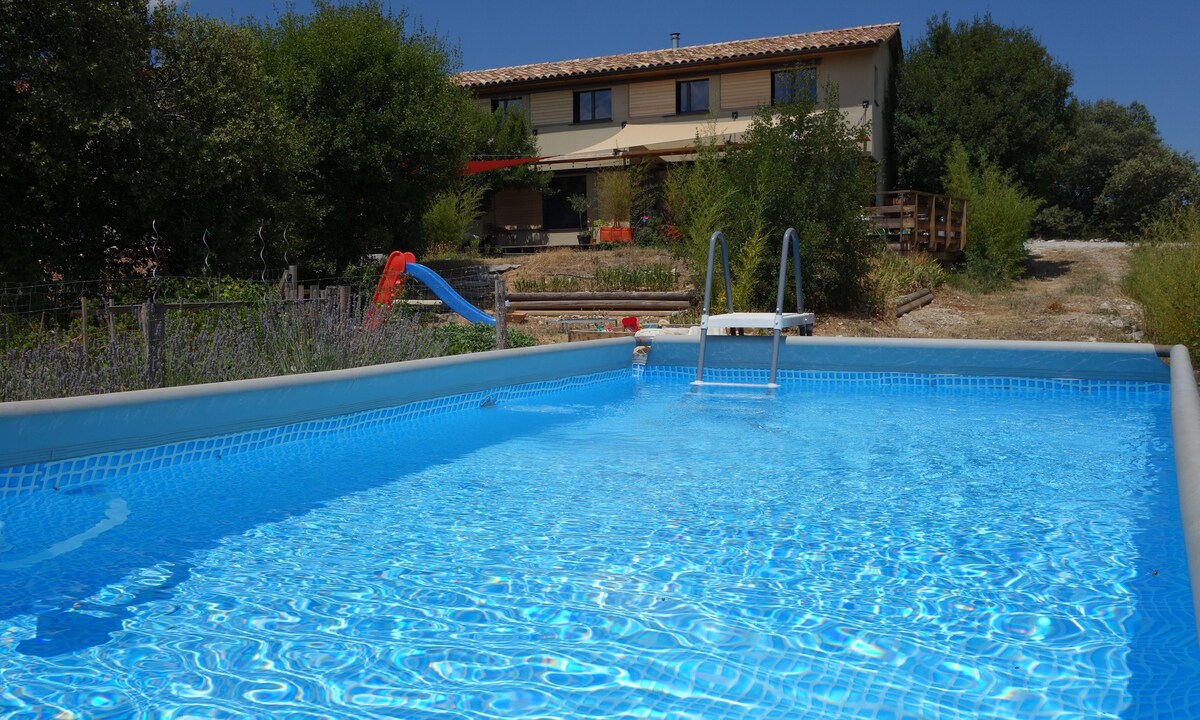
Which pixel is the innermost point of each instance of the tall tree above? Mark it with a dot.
(994, 88)
(73, 107)
(228, 155)
(387, 126)
(1107, 134)
(1147, 185)
(1115, 175)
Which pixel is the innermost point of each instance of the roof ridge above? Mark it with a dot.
(630, 58)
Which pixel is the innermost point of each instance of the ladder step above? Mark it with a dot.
(709, 383)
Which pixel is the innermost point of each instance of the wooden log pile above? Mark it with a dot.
(633, 301)
(907, 303)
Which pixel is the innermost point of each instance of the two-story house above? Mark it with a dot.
(602, 112)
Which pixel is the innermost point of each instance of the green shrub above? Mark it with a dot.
(478, 337)
(549, 283)
(653, 277)
(1165, 278)
(801, 165)
(699, 199)
(1058, 223)
(999, 215)
(449, 221)
(616, 194)
(893, 275)
(657, 277)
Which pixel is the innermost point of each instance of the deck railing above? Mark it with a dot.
(917, 220)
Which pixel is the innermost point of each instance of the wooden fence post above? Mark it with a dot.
(293, 282)
(112, 325)
(83, 324)
(501, 314)
(343, 292)
(154, 320)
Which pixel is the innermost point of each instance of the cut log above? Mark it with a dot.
(913, 305)
(906, 299)
(683, 296)
(577, 305)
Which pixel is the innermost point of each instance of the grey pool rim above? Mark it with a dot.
(42, 431)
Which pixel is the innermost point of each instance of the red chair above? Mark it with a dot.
(630, 324)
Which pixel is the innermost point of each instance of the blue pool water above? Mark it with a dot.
(873, 548)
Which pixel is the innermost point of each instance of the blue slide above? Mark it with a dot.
(446, 294)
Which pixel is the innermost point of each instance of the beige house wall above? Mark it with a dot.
(861, 75)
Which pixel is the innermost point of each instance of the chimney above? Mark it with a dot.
(674, 41)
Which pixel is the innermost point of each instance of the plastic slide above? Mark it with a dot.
(400, 264)
(446, 294)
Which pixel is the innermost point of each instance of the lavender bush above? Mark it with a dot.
(214, 346)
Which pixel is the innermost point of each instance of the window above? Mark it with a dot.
(691, 96)
(593, 105)
(509, 105)
(791, 85)
(556, 205)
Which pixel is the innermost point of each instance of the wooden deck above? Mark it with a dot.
(916, 220)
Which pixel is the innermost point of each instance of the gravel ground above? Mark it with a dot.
(1071, 292)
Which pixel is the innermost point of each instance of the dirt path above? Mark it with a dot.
(1073, 292)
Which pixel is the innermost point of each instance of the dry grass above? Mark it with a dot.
(571, 263)
(1072, 291)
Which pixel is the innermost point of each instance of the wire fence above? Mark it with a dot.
(58, 303)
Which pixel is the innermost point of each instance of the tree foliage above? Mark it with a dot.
(127, 127)
(801, 166)
(1115, 175)
(376, 107)
(994, 88)
(1155, 181)
(73, 106)
(228, 157)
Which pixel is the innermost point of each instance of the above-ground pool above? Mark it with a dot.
(621, 544)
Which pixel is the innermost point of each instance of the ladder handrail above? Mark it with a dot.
(795, 243)
(712, 248)
(790, 237)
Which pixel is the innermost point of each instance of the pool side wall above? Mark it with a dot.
(39, 431)
(1059, 360)
(1185, 426)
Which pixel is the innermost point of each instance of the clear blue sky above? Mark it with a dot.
(1145, 51)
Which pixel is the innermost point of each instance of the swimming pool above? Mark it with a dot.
(872, 544)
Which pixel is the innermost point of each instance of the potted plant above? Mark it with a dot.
(579, 204)
(615, 194)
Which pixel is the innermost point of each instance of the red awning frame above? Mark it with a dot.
(478, 166)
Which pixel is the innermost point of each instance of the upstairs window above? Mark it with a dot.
(509, 105)
(691, 96)
(593, 105)
(792, 85)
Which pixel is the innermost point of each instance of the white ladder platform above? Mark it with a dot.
(759, 320)
(756, 386)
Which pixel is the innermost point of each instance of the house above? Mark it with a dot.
(647, 107)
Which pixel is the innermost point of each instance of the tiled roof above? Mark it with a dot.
(865, 36)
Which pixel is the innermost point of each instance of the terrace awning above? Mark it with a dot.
(654, 138)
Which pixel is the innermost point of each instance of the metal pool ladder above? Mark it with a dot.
(777, 321)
